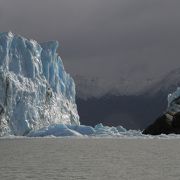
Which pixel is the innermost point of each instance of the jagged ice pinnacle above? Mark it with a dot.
(35, 90)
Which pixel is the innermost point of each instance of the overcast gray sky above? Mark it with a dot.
(109, 39)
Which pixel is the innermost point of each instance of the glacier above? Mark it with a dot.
(37, 96)
(35, 89)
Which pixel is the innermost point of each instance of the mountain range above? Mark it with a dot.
(132, 111)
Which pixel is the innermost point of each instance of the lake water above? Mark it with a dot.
(89, 158)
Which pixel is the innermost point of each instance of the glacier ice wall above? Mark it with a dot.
(35, 90)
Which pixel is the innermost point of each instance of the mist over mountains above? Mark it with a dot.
(118, 49)
(133, 110)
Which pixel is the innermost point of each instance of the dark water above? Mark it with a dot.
(106, 159)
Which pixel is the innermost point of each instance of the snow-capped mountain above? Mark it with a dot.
(166, 84)
(97, 87)
(131, 110)
(35, 90)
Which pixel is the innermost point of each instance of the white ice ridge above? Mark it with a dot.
(80, 130)
(99, 131)
(174, 101)
(35, 90)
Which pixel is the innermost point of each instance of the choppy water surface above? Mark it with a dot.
(106, 159)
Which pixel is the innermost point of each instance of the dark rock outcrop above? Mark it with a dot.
(165, 124)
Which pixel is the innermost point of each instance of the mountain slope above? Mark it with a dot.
(131, 111)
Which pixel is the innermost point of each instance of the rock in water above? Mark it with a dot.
(170, 121)
(160, 126)
(35, 90)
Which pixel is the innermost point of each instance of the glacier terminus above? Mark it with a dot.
(37, 95)
(35, 90)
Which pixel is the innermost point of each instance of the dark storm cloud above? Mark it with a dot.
(108, 39)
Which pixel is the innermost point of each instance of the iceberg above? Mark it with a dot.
(35, 90)
(54, 130)
(63, 130)
(84, 131)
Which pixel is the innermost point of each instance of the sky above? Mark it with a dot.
(123, 44)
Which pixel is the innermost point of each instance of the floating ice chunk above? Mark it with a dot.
(121, 129)
(108, 131)
(54, 130)
(61, 130)
(84, 130)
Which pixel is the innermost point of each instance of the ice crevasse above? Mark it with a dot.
(35, 90)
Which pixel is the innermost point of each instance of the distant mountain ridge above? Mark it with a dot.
(96, 87)
(131, 111)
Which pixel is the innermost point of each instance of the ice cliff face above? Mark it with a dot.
(35, 90)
